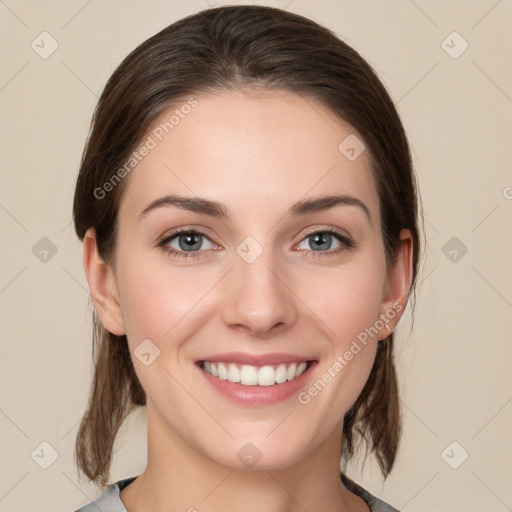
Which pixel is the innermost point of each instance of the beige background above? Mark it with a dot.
(455, 364)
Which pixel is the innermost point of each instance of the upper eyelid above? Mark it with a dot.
(337, 231)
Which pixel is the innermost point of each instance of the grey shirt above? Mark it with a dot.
(110, 501)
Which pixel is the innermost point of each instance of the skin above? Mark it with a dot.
(257, 153)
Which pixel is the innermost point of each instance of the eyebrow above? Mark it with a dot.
(220, 211)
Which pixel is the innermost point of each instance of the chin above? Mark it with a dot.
(257, 454)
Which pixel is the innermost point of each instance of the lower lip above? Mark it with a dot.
(258, 395)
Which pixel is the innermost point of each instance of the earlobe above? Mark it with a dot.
(102, 286)
(398, 283)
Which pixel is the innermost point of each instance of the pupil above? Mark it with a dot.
(190, 241)
(322, 238)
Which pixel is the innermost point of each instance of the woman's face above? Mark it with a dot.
(272, 282)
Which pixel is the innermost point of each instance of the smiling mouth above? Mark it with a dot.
(248, 375)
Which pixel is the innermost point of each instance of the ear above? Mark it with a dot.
(103, 287)
(398, 283)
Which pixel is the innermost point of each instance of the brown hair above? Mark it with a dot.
(220, 49)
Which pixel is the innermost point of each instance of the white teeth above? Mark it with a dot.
(292, 369)
(248, 375)
(223, 372)
(281, 375)
(301, 369)
(233, 373)
(266, 376)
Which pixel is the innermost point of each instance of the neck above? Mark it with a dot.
(179, 478)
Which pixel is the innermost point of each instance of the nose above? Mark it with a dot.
(259, 299)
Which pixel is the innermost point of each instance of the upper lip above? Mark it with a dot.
(256, 360)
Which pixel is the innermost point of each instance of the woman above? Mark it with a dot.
(248, 211)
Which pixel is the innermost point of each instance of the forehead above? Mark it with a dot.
(251, 150)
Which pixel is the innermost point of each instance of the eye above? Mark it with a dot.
(322, 240)
(189, 243)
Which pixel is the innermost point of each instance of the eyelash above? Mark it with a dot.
(162, 244)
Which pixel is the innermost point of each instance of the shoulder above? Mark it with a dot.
(110, 500)
(375, 504)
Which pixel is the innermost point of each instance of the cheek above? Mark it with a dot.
(348, 303)
(157, 305)
(348, 299)
(155, 297)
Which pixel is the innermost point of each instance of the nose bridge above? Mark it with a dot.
(259, 298)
